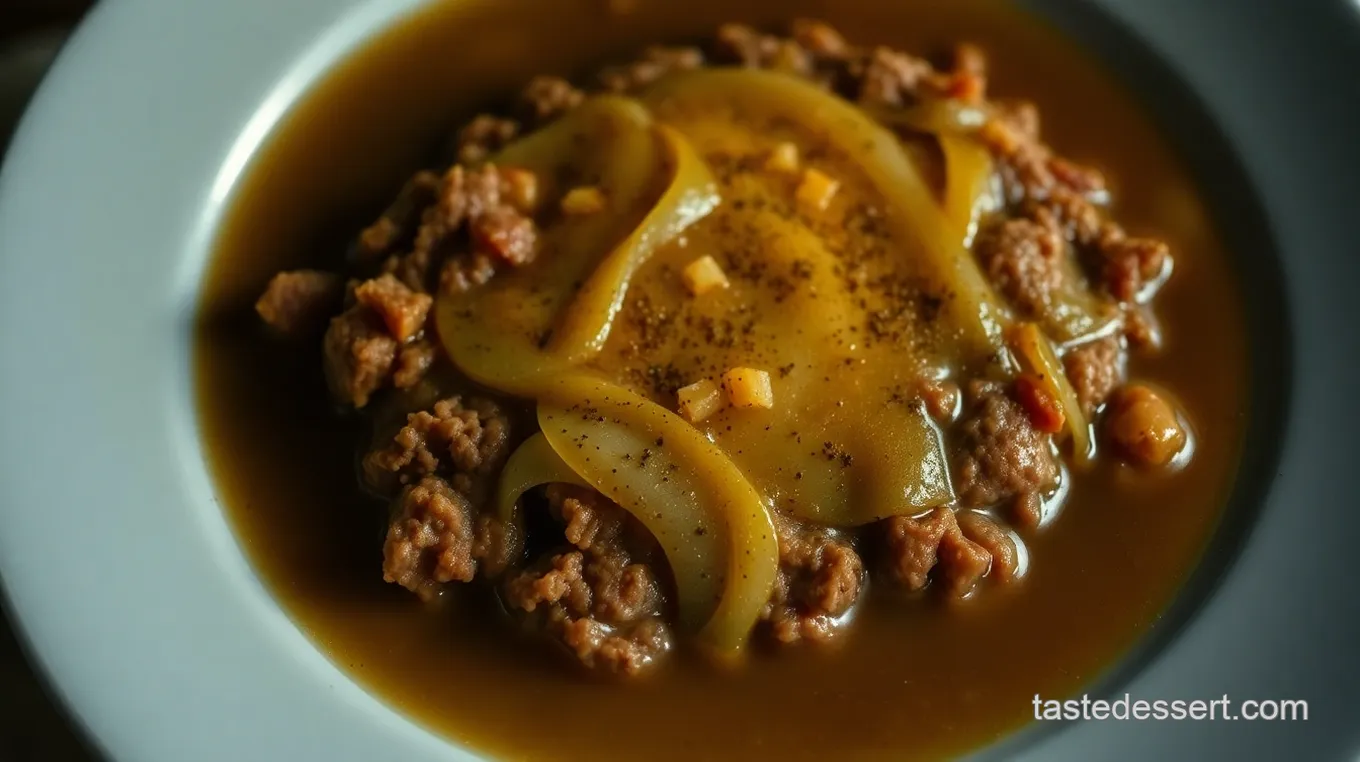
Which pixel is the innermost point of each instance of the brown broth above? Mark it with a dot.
(922, 679)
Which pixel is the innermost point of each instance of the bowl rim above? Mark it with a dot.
(145, 614)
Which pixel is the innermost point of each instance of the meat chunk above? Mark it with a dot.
(601, 598)
(820, 578)
(1141, 329)
(933, 547)
(655, 63)
(463, 441)
(889, 77)
(413, 362)
(359, 354)
(1029, 169)
(298, 303)
(504, 233)
(1130, 264)
(999, 544)
(473, 225)
(402, 310)
(377, 338)
(1095, 369)
(745, 46)
(601, 604)
(627, 650)
(1076, 218)
(546, 98)
(465, 272)
(484, 136)
(399, 221)
(1023, 259)
(590, 520)
(1000, 456)
(436, 537)
(1144, 426)
(820, 39)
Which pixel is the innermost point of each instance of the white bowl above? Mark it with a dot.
(137, 600)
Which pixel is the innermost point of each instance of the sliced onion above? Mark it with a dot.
(968, 184)
(534, 323)
(713, 526)
(1035, 355)
(973, 307)
(495, 334)
(690, 197)
(533, 464)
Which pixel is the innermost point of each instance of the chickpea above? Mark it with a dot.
(1144, 426)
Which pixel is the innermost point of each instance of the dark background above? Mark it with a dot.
(32, 726)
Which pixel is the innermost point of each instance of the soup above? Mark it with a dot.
(916, 417)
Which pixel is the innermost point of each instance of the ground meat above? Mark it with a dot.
(889, 77)
(998, 543)
(436, 538)
(1024, 260)
(627, 650)
(459, 192)
(1141, 330)
(601, 598)
(999, 456)
(655, 63)
(747, 47)
(1131, 263)
(481, 202)
(1078, 219)
(359, 354)
(1086, 182)
(484, 136)
(820, 39)
(377, 340)
(464, 272)
(1095, 369)
(1029, 170)
(820, 578)
(546, 98)
(298, 303)
(413, 362)
(399, 221)
(505, 234)
(465, 443)
(402, 310)
(933, 547)
(559, 582)
(1023, 160)
(590, 521)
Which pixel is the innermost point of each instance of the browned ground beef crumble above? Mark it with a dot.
(820, 578)
(600, 591)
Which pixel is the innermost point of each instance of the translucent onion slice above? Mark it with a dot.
(496, 334)
(1035, 355)
(534, 323)
(714, 527)
(1075, 313)
(973, 309)
(968, 187)
(690, 197)
(533, 464)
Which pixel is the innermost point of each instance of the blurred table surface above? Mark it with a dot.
(33, 727)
